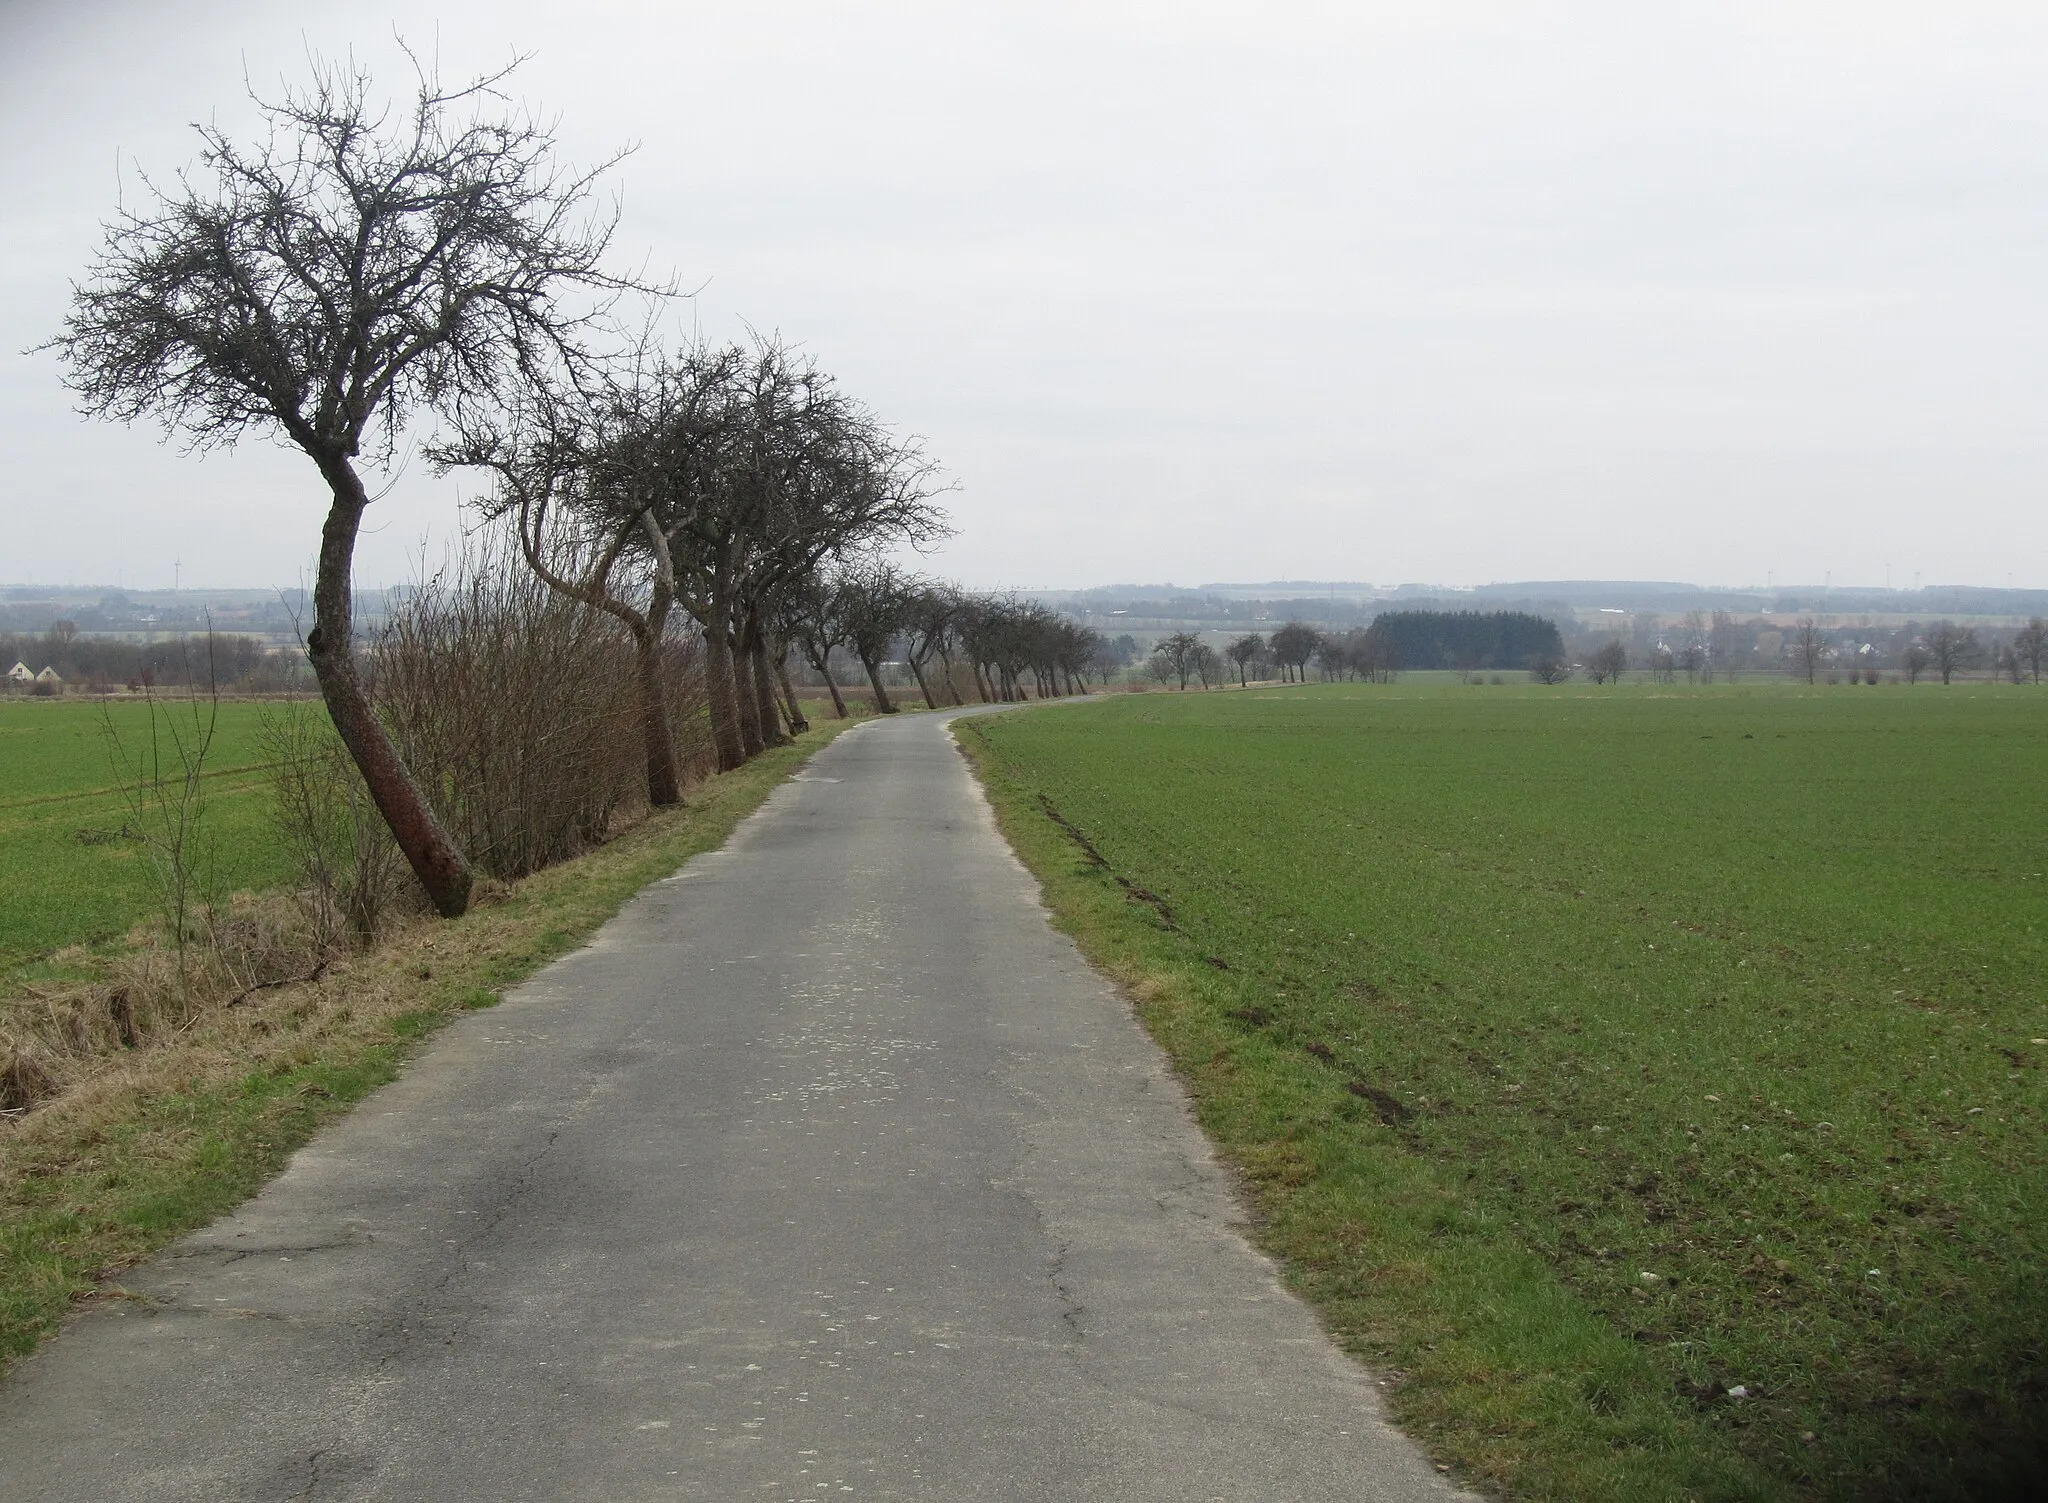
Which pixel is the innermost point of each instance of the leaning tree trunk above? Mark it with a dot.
(797, 723)
(824, 666)
(874, 668)
(719, 687)
(918, 673)
(754, 680)
(952, 684)
(745, 699)
(664, 781)
(330, 647)
(764, 691)
(981, 684)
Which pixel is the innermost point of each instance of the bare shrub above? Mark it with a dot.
(515, 708)
(162, 778)
(519, 708)
(349, 868)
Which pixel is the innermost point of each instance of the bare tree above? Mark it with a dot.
(1245, 651)
(793, 472)
(1724, 644)
(1379, 659)
(1809, 646)
(1074, 651)
(1693, 655)
(2030, 646)
(341, 276)
(1916, 660)
(818, 613)
(1608, 662)
(1181, 653)
(1292, 646)
(930, 615)
(878, 603)
(1335, 658)
(1951, 647)
(570, 479)
(1111, 657)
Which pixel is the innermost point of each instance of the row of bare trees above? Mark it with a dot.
(1007, 649)
(721, 480)
(356, 275)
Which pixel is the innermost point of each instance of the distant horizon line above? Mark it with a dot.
(1355, 586)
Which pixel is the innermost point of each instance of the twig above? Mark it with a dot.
(263, 986)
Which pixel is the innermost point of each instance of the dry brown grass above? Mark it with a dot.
(57, 1036)
(127, 1144)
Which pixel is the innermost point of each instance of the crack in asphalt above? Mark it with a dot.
(404, 1331)
(230, 1256)
(1071, 1309)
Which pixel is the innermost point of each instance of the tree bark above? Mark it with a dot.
(330, 647)
(917, 673)
(664, 778)
(797, 723)
(765, 707)
(720, 689)
(664, 781)
(952, 687)
(755, 685)
(882, 704)
(832, 684)
(745, 699)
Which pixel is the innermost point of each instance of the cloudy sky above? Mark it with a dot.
(1184, 292)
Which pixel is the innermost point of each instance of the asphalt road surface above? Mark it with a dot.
(828, 1170)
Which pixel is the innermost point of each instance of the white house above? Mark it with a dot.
(19, 673)
(49, 676)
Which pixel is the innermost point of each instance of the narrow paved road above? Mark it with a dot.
(827, 1171)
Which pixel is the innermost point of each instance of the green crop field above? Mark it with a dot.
(1650, 1080)
(70, 870)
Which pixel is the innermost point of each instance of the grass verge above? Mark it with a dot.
(1649, 1083)
(170, 1138)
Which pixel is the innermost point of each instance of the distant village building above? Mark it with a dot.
(19, 673)
(49, 676)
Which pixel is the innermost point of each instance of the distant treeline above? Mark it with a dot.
(231, 662)
(1469, 639)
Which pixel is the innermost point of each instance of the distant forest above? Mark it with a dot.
(1469, 639)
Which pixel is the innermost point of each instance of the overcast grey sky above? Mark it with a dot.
(1407, 291)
